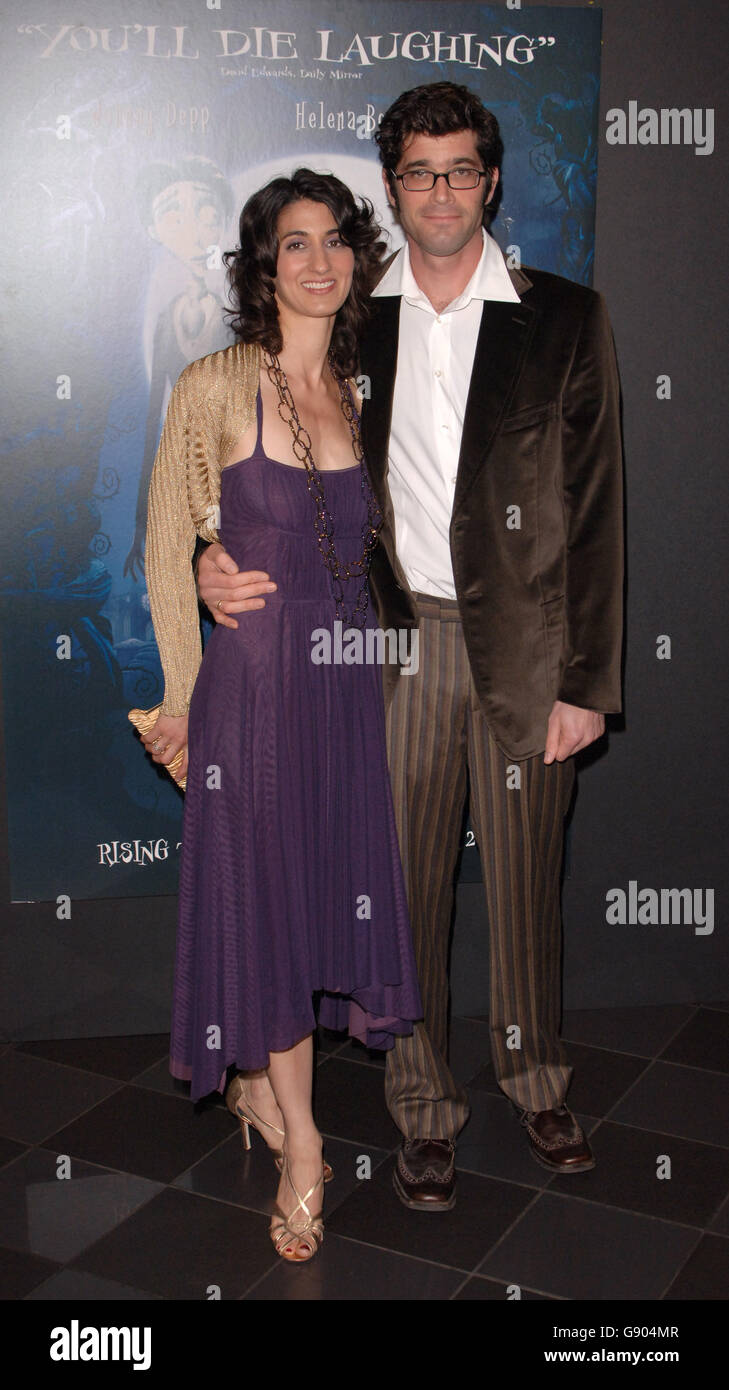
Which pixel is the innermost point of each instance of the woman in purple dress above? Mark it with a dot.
(291, 887)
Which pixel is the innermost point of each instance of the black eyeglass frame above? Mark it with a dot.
(481, 174)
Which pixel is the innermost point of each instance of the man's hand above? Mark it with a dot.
(571, 728)
(166, 737)
(225, 589)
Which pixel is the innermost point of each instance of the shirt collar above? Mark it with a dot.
(490, 279)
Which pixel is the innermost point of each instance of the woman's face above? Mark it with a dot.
(314, 268)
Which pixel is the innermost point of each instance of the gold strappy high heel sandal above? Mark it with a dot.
(239, 1105)
(284, 1232)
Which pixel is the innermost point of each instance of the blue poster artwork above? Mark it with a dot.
(133, 136)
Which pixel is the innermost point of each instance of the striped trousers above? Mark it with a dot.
(439, 742)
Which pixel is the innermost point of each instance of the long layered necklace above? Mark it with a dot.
(323, 520)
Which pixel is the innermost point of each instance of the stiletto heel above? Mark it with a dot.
(239, 1105)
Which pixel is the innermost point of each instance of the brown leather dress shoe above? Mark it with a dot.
(424, 1177)
(556, 1140)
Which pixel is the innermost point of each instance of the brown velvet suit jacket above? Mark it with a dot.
(541, 602)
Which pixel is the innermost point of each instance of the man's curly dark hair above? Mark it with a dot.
(252, 265)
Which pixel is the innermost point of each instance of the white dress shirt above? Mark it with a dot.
(434, 364)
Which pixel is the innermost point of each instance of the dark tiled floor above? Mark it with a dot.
(113, 1186)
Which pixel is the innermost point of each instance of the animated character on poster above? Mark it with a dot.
(185, 207)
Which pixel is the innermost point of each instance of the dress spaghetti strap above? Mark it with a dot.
(259, 417)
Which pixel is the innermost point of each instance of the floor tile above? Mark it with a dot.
(21, 1273)
(581, 1250)
(460, 1238)
(74, 1286)
(485, 1080)
(349, 1103)
(39, 1096)
(179, 1245)
(249, 1179)
(9, 1151)
(720, 1222)
(469, 1048)
(639, 1031)
(494, 1143)
(144, 1132)
(346, 1270)
(626, 1170)
(159, 1078)
(600, 1077)
(44, 1214)
(119, 1057)
(113, 1232)
(679, 1100)
(478, 1289)
(705, 1275)
(702, 1042)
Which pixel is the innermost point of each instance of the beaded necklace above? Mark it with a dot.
(323, 520)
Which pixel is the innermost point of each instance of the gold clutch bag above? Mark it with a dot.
(145, 719)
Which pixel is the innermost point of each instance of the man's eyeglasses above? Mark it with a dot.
(421, 180)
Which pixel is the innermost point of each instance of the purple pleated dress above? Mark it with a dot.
(291, 892)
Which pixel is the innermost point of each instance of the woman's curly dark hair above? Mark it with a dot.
(252, 266)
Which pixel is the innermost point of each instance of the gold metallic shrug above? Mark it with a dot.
(210, 407)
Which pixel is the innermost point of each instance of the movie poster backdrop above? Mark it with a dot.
(133, 135)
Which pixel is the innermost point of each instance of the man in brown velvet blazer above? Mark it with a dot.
(492, 437)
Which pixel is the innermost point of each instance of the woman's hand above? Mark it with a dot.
(166, 737)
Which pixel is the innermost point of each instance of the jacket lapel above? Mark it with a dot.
(503, 339)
